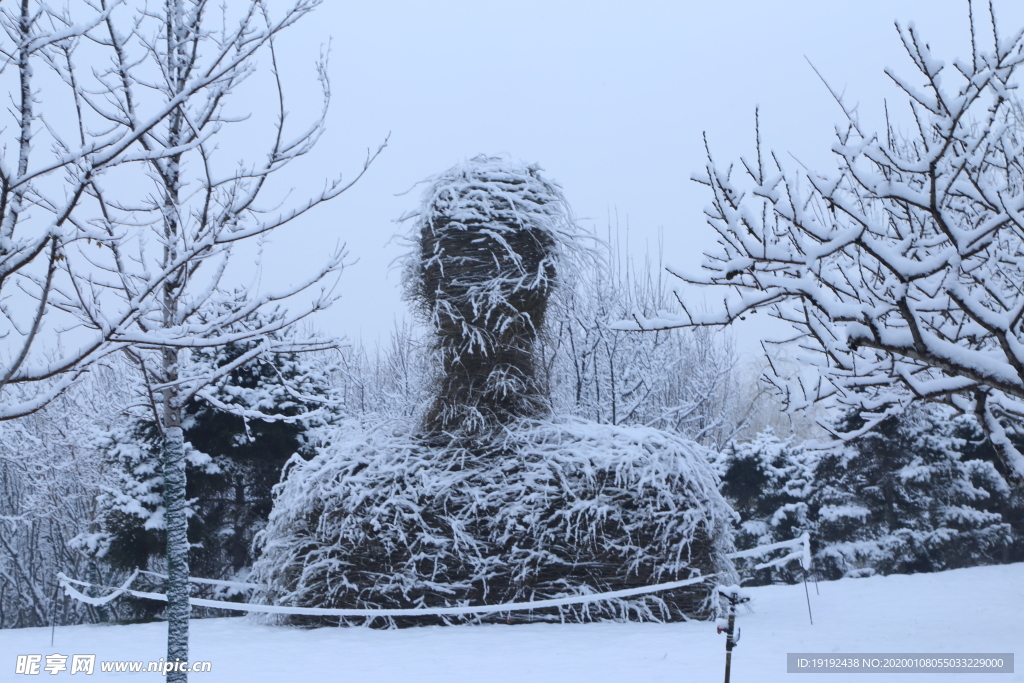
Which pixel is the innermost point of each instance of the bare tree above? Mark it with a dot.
(47, 172)
(684, 381)
(142, 268)
(50, 481)
(901, 272)
(197, 212)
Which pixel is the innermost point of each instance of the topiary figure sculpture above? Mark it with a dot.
(489, 499)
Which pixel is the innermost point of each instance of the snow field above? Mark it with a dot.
(963, 610)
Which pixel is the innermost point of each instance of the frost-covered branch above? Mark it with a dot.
(901, 271)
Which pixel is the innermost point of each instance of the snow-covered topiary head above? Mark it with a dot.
(489, 236)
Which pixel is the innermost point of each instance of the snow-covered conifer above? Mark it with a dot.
(915, 493)
(235, 449)
(769, 482)
(901, 498)
(988, 472)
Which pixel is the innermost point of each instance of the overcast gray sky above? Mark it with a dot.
(611, 99)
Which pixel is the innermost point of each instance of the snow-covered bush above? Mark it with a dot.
(549, 509)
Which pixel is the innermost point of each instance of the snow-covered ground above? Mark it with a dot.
(967, 610)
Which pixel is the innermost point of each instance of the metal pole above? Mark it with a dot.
(807, 593)
(730, 630)
(729, 642)
(53, 613)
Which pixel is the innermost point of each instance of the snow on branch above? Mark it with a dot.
(83, 259)
(900, 270)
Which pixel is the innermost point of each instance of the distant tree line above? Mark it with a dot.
(919, 492)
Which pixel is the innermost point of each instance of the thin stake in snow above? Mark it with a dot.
(53, 612)
(807, 593)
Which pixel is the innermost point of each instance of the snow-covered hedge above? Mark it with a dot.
(546, 508)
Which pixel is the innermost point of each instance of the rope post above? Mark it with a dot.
(731, 632)
(806, 561)
(53, 612)
(808, 595)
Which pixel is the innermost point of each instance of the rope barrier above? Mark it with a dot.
(66, 583)
(210, 582)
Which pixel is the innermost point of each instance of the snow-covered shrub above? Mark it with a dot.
(549, 508)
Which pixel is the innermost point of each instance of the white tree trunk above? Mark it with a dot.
(178, 607)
